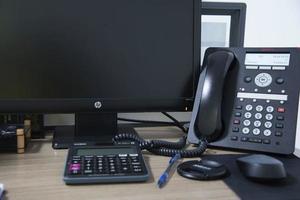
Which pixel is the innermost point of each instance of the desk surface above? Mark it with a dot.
(37, 174)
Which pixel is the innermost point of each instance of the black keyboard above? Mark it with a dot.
(103, 164)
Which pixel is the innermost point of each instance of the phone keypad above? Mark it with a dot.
(256, 122)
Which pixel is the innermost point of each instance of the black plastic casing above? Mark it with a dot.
(106, 178)
(39, 39)
(261, 168)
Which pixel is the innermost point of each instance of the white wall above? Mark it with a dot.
(271, 23)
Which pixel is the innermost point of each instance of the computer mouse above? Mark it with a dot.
(202, 170)
(262, 168)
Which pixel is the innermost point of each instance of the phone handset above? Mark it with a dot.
(206, 122)
(206, 119)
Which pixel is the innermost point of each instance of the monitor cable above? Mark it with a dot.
(174, 122)
(164, 148)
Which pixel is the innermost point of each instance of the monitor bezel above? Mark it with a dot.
(73, 105)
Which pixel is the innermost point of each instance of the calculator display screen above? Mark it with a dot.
(105, 151)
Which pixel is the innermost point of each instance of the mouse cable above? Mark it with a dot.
(164, 148)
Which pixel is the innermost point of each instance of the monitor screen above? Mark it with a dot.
(131, 55)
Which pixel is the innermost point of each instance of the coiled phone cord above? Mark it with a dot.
(164, 148)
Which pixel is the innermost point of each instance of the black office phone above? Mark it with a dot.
(247, 98)
(105, 164)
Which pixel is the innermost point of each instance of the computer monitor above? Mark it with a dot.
(96, 58)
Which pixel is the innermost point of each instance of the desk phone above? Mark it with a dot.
(247, 98)
(105, 164)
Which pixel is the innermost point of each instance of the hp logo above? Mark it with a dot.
(98, 104)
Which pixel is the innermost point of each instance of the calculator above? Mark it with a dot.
(105, 164)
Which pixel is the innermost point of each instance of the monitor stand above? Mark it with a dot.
(89, 129)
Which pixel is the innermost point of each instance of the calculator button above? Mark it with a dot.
(133, 155)
(280, 110)
(124, 164)
(259, 108)
(111, 164)
(88, 157)
(100, 166)
(75, 172)
(136, 167)
(257, 123)
(125, 169)
(88, 163)
(102, 162)
(76, 158)
(74, 167)
(88, 171)
(137, 170)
